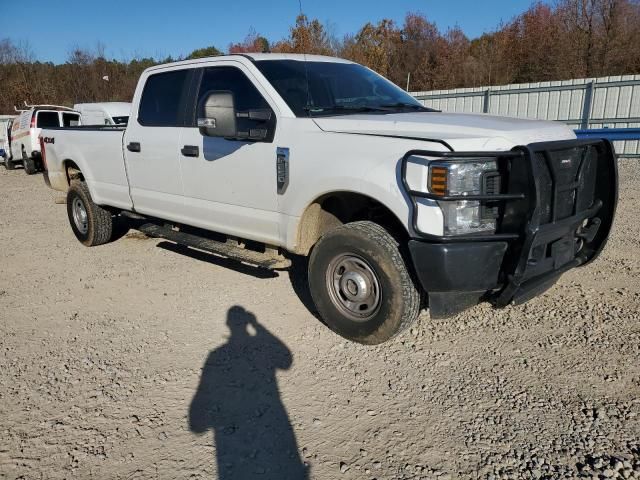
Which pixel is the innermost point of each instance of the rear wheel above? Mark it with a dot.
(360, 283)
(29, 164)
(91, 224)
(8, 164)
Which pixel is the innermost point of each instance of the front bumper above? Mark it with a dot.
(456, 275)
(555, 214)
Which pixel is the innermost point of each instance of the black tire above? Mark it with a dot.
(366, 252)
(97, 227)
(8, 164)
(29, 164)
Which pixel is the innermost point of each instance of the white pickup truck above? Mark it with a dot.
(397, 206)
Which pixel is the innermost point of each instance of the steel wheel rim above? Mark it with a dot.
(80, 217)
(353, 287)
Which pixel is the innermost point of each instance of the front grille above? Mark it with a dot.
(587, 190)
(490, 186)
(567, 180)
(569, 212)
(545, 187)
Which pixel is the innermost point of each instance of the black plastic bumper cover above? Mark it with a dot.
(456, 275)
(457, 267)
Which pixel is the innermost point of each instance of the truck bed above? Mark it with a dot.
(97, 151)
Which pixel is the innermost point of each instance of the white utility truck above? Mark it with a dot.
(104, 113)
(25, 131)
(398, 207)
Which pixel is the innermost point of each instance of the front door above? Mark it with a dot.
(151, 145)
(230, 185)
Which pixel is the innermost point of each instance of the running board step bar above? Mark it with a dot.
(270, 259)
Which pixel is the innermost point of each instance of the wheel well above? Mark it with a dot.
(72, 171)
(335, 209)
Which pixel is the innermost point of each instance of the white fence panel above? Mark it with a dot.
(605, 102)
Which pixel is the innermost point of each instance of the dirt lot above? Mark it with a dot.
(141, 360)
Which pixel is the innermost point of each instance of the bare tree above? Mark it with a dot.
(568, 39)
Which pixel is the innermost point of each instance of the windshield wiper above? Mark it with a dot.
(412, 106)
(347, 108)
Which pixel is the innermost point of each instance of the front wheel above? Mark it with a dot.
(360, 283)
(91, 224)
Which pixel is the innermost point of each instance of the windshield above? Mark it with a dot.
(327, 88)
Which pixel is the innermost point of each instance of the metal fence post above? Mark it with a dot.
(586, 108)
(487, 101)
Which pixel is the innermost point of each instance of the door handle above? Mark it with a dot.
(133, 146)
(190, 151)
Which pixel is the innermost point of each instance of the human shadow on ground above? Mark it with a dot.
(238, 398)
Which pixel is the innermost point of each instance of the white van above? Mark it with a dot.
(25, 132)
(5, 135)
(104, 113)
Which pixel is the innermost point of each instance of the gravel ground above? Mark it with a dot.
(139, 359)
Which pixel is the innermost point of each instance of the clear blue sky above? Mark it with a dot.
(160, 28)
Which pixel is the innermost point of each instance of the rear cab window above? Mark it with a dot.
(163, 99)
(47, 119)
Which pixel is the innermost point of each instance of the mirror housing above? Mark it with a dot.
(217, 115)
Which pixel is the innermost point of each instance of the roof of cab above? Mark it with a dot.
(301, 57)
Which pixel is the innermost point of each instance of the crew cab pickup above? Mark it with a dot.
(397, 207)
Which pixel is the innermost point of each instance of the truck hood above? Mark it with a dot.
(460, 130)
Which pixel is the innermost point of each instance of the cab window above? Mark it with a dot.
(162, 99)
(245, 94)
(47, 120)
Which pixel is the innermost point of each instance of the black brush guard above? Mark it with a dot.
(555, 208)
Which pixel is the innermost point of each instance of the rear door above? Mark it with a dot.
(44, 119)
(151, 144)
(47, 119)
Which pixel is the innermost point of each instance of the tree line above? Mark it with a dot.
(568, 39)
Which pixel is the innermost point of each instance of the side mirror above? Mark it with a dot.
(217, 115)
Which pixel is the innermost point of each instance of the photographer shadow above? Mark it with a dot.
(238, 398)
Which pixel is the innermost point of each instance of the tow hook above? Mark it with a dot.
(589, 231)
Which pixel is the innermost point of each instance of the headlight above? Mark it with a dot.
(465, 178)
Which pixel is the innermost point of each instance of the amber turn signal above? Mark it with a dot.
(438, 180)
